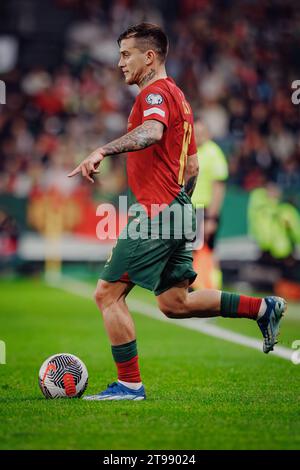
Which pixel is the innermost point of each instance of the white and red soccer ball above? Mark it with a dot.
(63, 376)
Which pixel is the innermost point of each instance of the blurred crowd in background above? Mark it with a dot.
(234, 60)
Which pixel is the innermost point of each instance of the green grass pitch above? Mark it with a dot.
(202, 392)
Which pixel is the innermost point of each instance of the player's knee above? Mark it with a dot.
(102, 294)
(98, 296)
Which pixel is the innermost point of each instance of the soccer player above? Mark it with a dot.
(162, 168)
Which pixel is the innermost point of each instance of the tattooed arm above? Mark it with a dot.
(191, 174)
(143, 136)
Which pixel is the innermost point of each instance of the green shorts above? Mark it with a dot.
(151, 256)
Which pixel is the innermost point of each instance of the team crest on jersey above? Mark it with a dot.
(154, 98)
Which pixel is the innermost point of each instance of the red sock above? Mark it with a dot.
(129, 371)
(248, 307)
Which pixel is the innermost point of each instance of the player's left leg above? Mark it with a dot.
(177, 302)
(110, 298)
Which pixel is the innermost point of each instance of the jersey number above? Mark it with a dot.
(186, 107)
(184, 150)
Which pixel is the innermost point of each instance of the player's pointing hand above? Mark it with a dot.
(89, 166)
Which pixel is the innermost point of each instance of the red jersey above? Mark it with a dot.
(156, 174)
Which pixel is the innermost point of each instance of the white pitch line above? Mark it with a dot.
(202, 325)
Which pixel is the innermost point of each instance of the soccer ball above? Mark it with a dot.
(63, 376)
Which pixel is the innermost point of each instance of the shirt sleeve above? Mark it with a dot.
(154, 105)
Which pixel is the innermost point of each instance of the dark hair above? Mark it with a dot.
(149, 36)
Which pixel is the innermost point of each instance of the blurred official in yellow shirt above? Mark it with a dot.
(208, 198)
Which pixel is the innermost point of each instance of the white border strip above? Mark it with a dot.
(202, 325)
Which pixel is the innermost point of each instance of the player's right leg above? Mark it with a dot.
(110, 299)
(177, 303)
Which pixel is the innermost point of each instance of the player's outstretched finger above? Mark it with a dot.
(75, 172)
